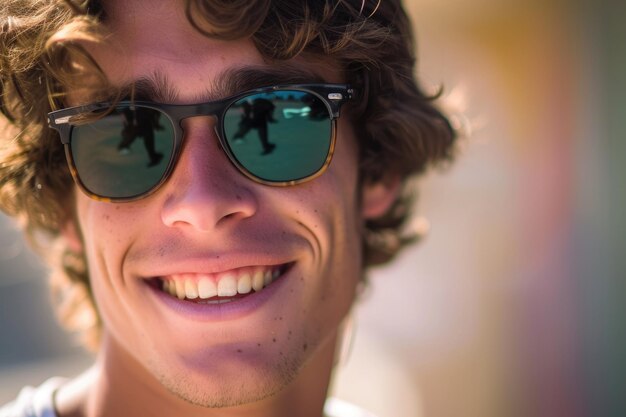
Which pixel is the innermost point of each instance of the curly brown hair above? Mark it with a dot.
(401, 132)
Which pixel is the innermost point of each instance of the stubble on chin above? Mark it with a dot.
(235, 388)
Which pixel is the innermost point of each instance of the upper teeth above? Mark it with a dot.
(227, 284)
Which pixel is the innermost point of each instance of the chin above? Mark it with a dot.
(220, 382)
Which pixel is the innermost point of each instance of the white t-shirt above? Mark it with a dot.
(39, 402)
(34, 402)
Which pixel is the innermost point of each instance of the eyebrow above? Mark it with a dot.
(155, 87)
(158, 87)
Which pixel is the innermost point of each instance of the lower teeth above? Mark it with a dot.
(215, 301)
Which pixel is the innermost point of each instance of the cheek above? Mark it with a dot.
(327, 207)
(330, 210)
(332, 201)
(342, 181)
(107, 225)
(345, 221)
(108, 231)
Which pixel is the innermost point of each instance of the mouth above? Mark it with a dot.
(220, 288)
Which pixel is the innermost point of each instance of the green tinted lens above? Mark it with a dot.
(279, 136)
(123, 154)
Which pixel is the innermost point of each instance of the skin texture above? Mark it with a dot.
(273, 360)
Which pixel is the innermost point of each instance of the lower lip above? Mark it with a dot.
(232, 310)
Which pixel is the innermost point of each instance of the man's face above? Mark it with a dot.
(210, 222)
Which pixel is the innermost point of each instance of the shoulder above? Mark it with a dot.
(335, 407)
(33, 402)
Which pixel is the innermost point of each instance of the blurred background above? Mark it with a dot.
(514, 303)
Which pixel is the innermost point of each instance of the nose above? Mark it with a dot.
(205, 191)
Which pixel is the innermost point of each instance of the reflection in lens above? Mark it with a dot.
(279, 136)
(123, 154)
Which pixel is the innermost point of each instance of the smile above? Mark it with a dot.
(222, 287)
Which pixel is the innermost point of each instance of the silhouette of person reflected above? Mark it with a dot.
(141, 122)
(318, 110)
(256, 116)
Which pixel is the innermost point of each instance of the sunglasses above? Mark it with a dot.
(124, 151)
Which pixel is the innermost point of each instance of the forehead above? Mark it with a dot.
(151, 43)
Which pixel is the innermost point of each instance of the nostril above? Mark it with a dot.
(233, 215)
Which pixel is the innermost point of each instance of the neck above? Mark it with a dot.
(119, 386)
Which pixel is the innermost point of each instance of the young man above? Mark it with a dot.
(213, 281)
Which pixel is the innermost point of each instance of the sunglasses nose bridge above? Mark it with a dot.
(208, 109)
(181, 113)
(196, 110)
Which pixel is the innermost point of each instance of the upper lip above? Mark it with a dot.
(210, 265)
